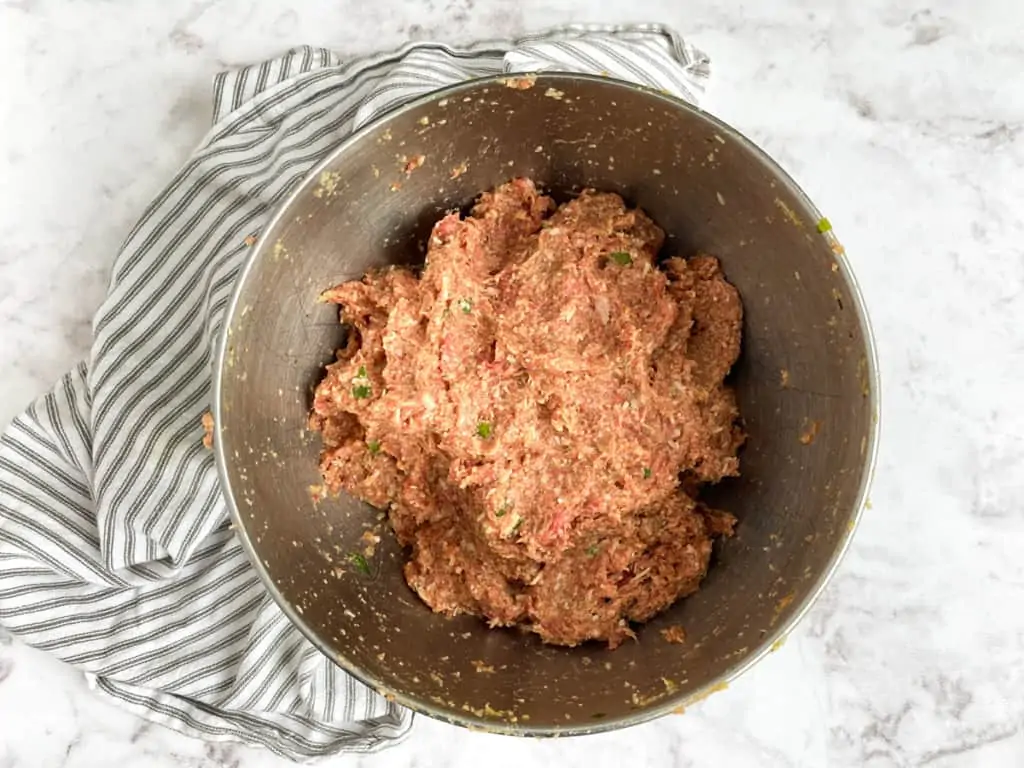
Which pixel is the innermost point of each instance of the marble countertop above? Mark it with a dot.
(904, 122)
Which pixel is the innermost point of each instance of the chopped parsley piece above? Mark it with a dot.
(483, 429)
(465, 305)
(374, 446)
(592, 550)
(647, 473)
(361, 385)
(516, 527)
(503, 509)
(824, 225)
(359, 562)
(621, 258)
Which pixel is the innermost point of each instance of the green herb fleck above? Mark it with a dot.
(824, 225)
(621, 258)
(361, 373)
(361, 391)
(647, 473)
(592, 550)
(465, 305)
(483, 429)
(516, 527)
(503, 509)
(374, 446)
(359, 562)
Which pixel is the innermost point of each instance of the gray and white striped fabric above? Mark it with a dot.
(115, 548)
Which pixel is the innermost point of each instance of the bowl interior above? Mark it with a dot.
(804, 383)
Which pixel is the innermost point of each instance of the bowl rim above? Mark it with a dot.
(771, 640)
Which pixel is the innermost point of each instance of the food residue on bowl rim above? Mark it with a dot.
(519, 82)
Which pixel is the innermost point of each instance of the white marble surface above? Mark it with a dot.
(903, 120)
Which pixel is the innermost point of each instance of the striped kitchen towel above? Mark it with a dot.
(115, 550)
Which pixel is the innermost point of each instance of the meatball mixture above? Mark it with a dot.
(538, 409)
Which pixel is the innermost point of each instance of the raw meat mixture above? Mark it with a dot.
(537, 409)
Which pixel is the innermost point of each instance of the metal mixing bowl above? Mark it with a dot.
(806, 383)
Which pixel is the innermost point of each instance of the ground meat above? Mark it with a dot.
(674, 634)
(538, 410)
(207, 429)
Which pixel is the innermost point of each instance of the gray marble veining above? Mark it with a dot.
(905, 123)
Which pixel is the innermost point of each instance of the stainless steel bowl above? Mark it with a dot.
(806, 383)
